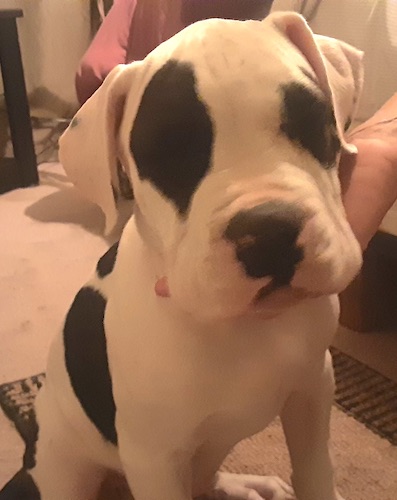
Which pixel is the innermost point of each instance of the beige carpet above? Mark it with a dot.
(51, 239)
(366, 464)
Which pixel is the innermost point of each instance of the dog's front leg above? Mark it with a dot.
(306, 421)
(153, 474)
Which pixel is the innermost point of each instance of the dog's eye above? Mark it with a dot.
(172, 136)
(307, 118)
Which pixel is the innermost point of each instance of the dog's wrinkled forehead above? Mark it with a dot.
(219, 83)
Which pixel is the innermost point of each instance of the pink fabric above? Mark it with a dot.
(108, 49)
(152, 24)
(133, 28)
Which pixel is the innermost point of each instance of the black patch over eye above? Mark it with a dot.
(307, 118)
(172, 135)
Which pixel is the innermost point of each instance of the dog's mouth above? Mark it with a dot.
(273, 298)
(269, 301)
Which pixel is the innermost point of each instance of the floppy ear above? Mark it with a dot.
(345, 69)
(337, 65)
(89, 146)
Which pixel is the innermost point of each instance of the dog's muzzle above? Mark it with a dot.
(265, 239)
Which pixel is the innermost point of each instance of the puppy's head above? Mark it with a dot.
(231, 134)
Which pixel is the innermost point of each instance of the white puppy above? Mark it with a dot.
(215, 311)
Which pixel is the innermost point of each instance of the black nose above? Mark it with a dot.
(265, 239)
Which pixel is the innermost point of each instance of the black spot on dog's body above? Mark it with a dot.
(20, 487)
(172, 136)
(265, 239)
(106, 262)
(307, 118)
(87, 362)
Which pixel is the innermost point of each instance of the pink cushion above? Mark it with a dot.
(108, 49)
(133, 28)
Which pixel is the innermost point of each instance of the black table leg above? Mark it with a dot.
(17, 103)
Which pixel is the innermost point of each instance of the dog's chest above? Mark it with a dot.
(200, 384)
(173, 372)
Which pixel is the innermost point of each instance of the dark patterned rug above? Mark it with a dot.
(16, 400)
(361, 392)
(366, 395)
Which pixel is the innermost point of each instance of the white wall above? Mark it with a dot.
(54, 35)
(370, 25)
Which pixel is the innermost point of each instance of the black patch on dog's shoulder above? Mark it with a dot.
(172, 136)
(20, 487)
(307, 118)
(106, 262)
(87, 362)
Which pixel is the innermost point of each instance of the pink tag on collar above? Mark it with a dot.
(161, 287)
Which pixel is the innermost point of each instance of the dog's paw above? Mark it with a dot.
(250, 487)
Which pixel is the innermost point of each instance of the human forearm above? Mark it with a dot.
(369, 181)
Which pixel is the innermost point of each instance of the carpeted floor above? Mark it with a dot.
(53, 239)
(361, 392)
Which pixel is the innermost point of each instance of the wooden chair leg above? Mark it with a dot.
(17, 103)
